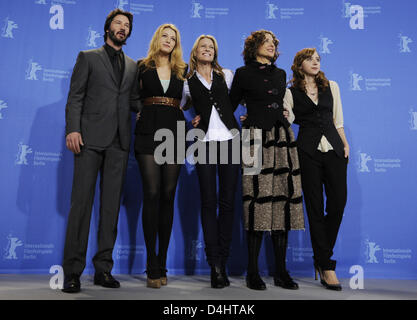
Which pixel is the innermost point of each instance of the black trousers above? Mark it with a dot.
(111, 163)
(324, 169)
(217, 228)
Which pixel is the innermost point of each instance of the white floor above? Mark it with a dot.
(133, 287)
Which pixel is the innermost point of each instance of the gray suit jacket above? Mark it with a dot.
(96, 106)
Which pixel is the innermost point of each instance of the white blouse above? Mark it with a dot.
(216, 131)
(324, 144)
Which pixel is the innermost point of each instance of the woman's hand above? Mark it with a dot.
(243, 118)
(286, 114)
(196, 121)
(347, 150)
(137, 116)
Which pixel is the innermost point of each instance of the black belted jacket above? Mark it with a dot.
(262, 88)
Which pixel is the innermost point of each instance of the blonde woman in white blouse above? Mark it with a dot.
(323, 152)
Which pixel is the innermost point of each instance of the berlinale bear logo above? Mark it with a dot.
(8, 27)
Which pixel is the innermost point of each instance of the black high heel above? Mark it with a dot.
(334, 287)
(216, 277)
(224, 275)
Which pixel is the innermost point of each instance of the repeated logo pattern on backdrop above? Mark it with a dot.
(368, 47)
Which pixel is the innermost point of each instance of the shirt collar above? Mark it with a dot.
(111, 51)
(262, 66)
(199, 76)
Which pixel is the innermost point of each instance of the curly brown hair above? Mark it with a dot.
(298, 76)
(254, 41)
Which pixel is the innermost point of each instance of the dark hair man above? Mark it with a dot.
(103, 92)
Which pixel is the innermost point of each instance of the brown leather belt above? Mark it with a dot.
(165, 101)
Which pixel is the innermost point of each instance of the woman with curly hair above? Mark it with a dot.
(324, 152)
(160, 79)
(272, 199)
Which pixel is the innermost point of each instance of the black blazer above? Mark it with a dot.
(96, 105)
(262, 87)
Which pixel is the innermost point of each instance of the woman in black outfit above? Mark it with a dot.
(207, 85)
(271, 199)
(323, 151)
(161, 80)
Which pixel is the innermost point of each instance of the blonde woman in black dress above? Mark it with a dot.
(161, 80)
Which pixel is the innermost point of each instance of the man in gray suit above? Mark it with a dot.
(102, 95)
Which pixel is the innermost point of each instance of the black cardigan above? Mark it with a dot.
(262, 87)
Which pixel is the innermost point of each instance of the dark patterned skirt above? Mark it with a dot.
(272, 200)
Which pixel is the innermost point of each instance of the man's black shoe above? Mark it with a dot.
(72, 284)
(105, 279)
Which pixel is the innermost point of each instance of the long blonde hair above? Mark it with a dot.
(178, 66)
(193, 56)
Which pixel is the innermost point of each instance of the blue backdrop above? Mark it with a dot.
(366, 46)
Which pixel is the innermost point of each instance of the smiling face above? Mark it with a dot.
(167, 41)
(311, 65)
(205, 51)
(119, 30)
(267, 49)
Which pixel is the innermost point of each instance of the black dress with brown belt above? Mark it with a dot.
(157, 116)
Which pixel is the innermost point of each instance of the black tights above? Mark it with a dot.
(159, 183)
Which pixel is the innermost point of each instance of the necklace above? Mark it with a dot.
(311, 92)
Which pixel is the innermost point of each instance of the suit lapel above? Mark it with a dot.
(105, 58)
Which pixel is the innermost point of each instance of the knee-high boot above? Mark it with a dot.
(281, 277)
(253, 279)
